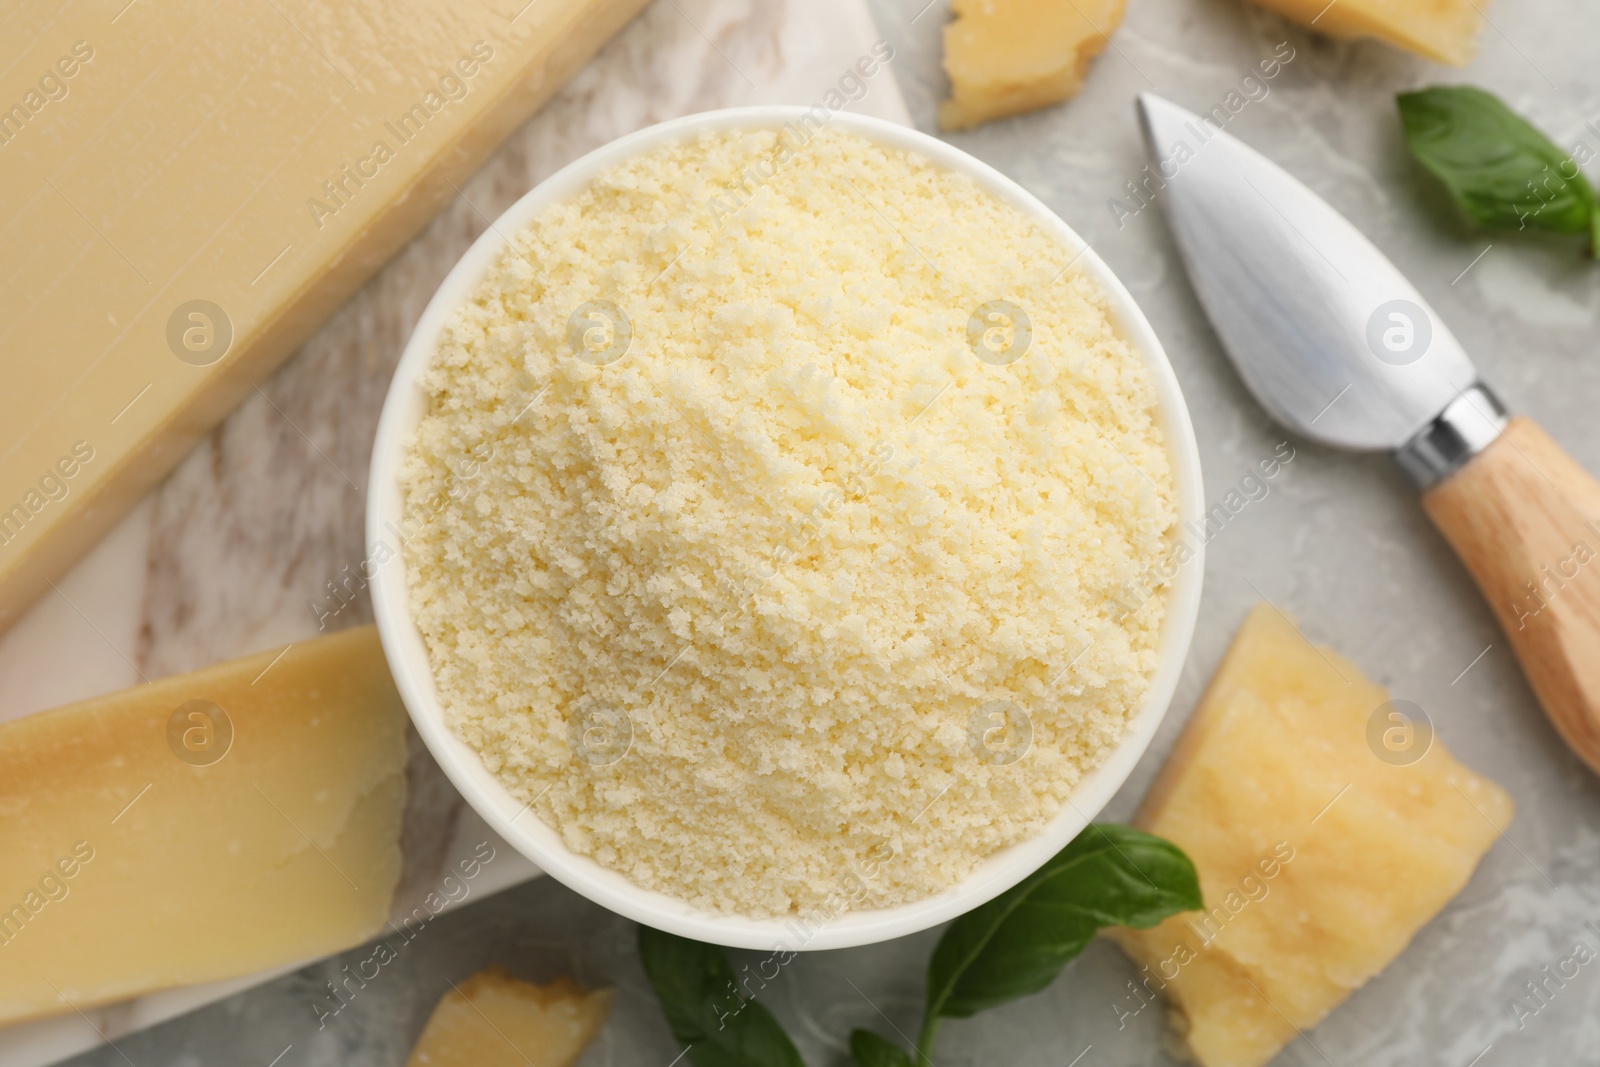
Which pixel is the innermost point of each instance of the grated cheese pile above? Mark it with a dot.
(766, 610)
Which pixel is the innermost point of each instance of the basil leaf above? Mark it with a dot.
(698, 993)
(1502, 171)
(870, 1050)
(1017, 943)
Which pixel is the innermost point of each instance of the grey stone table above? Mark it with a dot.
(1339, 543)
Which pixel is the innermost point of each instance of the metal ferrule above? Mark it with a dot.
(1467, 425)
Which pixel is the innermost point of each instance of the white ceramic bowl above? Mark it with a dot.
(408, 658)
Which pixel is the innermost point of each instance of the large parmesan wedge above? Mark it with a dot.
(200, 827)
(1007, 56)
(495, 1020)
(1445, 31)
(188, 192)
(1320, 853)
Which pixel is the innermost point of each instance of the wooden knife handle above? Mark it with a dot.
(1525, 519)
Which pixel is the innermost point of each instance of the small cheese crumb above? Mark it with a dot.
(1008, 56)
(493, 1019)
(1445, 31)
(774, 520)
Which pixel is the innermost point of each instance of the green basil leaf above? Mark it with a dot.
(1502, 171)
(870, 1050)
(1017, 943)
(701, 999)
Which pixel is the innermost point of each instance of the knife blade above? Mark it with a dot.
(1328, 335)
(1336, 344)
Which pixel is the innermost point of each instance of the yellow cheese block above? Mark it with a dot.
(1006, 56)
(1327, 826)
(188, 189)
(495, 1020)
(1445, 31)
(200, 827)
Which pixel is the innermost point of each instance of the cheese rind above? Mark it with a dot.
(495, 1020)
(1445, 31)
(135, 856)
(1319, 858)
(198, 195)
(1009, 56)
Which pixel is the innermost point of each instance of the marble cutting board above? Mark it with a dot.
(240, 549)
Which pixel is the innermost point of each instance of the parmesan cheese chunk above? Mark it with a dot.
(1445, 31)
(178, 220)
(1323, 839)
(495, 1020)
(199, 827)
(1007, 56)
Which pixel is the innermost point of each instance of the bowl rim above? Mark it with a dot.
(408, 657)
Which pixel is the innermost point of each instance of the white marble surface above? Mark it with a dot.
(216, 564)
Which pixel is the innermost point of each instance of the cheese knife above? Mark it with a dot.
(1339, 347)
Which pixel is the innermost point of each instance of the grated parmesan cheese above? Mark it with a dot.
(742, 566)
